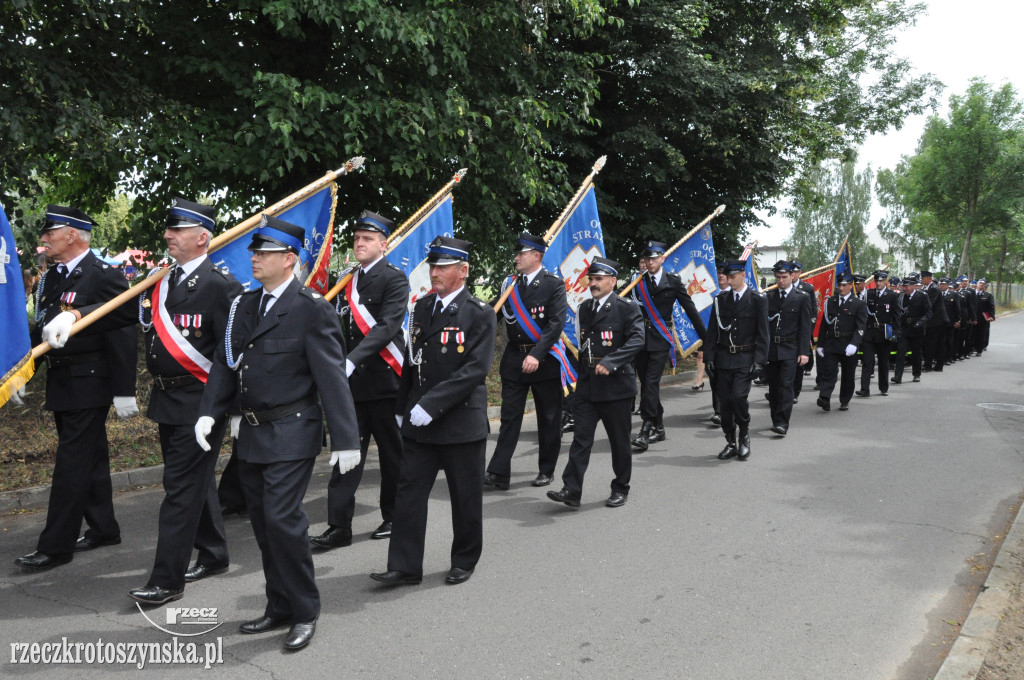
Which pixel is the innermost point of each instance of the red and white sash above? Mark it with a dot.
(178, 347)
(364, 319)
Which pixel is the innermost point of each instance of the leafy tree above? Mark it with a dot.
(836, 207)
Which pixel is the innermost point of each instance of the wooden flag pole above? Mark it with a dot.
(218, 242)
(399, 234)
(718, 211)
(560, 221)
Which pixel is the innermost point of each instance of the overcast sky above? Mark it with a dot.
(955, 40)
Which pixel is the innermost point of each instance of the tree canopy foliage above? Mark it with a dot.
(696, 103)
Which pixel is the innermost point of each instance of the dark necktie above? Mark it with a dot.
(175, 277)
(62, 269)
(783, 296)
(736, 298)
(263, 304)
(438, 306)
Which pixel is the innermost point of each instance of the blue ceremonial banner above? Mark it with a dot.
(570, 253)
(315, 214)
(409, 252)
(751, 272)
(16, 365)
(694, 262)
(843, 259)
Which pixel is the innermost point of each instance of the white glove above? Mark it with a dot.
(234, 423)
(399, 420)
(18, 395)
(418, 417)
(346, 460)
(126, 407)
(820, 352)
(349, 367)
(204, 426)
(56, 332)
(851, 350)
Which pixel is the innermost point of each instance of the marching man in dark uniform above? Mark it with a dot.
(954, 311)
(986, 315)
(611, 332)
(915, 310)
(532, 361)
(789, 322)
(808, 289)
(968, 319)
(657, 293)
(373, 307)
(882, 328)
(442, 409)
(935, 329)
(736, 351)
(184, 317)
(283, 361)
(843, 322)
(80, 387)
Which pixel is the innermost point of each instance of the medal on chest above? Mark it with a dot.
(606, 338)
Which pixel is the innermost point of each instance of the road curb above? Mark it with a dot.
(136, 478)
(967, 656)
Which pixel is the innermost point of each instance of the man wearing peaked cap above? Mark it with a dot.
(82, 380)
(184, 319)
(372, 308)
(843, 321)
(807, 289)
(986, 315)
(283, 362)
(935, 329)
(656, 294)
(534, 316)
(789, 324)
(611, 332)
(879, 334)
(915, 311)
(954, 311)
(969, 318)
(736, 350)
(442, 410)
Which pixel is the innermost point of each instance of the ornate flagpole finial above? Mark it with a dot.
(351, 164)
(719, 210)
(460, 174)
(599, 165)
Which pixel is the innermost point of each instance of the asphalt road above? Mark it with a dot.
(841, 551)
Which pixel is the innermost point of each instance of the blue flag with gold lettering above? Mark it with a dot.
(16, 365)
(694, 262)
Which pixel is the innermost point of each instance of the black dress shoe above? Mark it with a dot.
(823, 403)
(657, 435)
(156, 595)
(863, 393)
(844, 407)
(383, 531)
(300, 635)
(884, 394)
(264, 624)
(334, 537)
(565, 496)
(226, 510)
(541, 480)
(716, 419)
(200, 571)
(743, 446)
(729, 451)
(640, 442)
(780, 429)
(396, 578)
(616, 500)
(38, 561)
(795, 401)
(491, 480)
(917, 378)
(457, 575)
(896, 381)
(85, 543)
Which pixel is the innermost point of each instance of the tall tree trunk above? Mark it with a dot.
(999, 275)
(967, 251)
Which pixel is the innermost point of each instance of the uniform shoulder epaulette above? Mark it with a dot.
(480, 303)
(310, 293)
(398, 269)
(552, 275)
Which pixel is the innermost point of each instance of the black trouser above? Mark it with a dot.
(733, 386)
(273, 494)
(81, 487)
(913, 345)
(981, 332)
(781, 373)
(967, 341)
(715, 401)
(951, 348)
(547, 403)
(376, 418)
(873, 349)
(190, 512)
(229, 492)
(463, 466)
(828, 373)
(934, 337)
(649, 367)
(615, 416)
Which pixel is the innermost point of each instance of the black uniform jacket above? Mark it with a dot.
(970, 299)
(986, 304)
(664, 296)
(446, 369)
(612, 337)
(807, 288)
(384, 291)
(545, 302)
(789, 325)
(915, 313)
(85, 381)
(939, 319)
(201, 302)
(293, 352)
(883, 308)
(735, 325)
(951, 301)
(842, 324)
